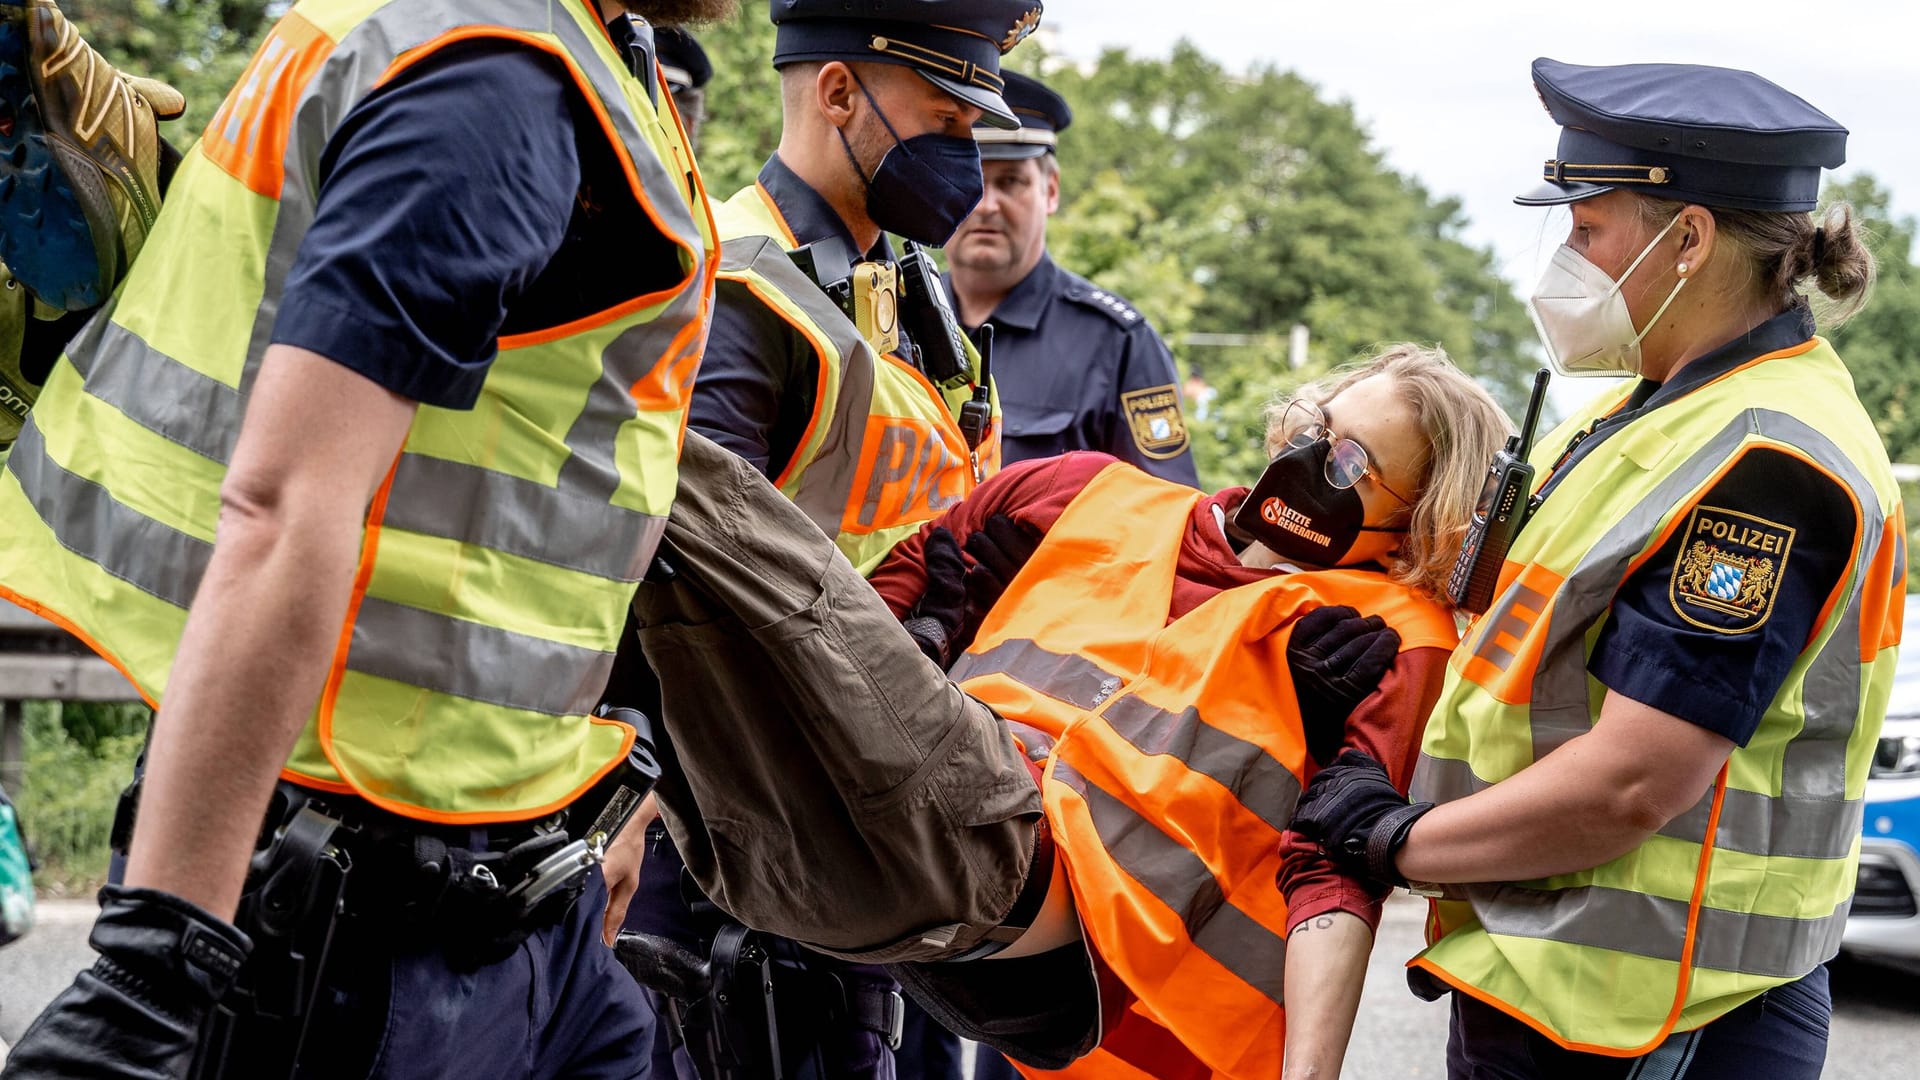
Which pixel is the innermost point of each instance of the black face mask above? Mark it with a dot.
(925, 186)
(1298, 515)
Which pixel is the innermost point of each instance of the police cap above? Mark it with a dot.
(682, 61)
(955, 44)
(1706, 135)
(1043, 115)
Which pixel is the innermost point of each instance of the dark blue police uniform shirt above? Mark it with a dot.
(1715, 650)
(1078, 368)
(456, 206)
(758, 379)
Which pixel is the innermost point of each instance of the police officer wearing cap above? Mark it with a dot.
(686, 69)
(1078, 368)
(1640, 789)
(809, 372)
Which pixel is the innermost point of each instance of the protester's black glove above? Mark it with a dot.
(1337, 659)
(999, 550)
(136, 1014)
(1352, 810)
(936, 619)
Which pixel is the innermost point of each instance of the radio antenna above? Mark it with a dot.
(1533, 413)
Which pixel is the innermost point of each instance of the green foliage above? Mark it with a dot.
(200, 46)
(1242, 205)
(743, 101)
(1882, 343)
(1219, 204)
(78, 759)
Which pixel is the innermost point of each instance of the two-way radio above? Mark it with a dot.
(883, 300)
(1503, 509)
(930, 322)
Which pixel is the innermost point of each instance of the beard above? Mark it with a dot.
(681, 12)
(867, 145)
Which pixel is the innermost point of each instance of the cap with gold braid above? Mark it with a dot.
(954, 44)
(1708, 135)
(1043, 115)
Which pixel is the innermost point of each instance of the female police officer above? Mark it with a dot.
(1649, 755)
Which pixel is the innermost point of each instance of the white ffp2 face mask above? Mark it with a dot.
(1583, 319)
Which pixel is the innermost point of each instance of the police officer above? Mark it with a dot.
(686, 69)
(1078, 368)
(807, 373)
(1648, 755)
(384, 619)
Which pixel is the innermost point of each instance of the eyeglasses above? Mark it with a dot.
(1347, 460)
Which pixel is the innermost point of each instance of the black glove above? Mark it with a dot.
(136, 1014)
(1337, 659)
(999, 550)
(936, 619)
(1359, 820)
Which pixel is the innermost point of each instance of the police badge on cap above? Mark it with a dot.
(954, 44)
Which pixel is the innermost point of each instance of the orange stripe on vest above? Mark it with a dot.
(247, 138)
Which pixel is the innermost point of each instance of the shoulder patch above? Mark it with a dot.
(1107, 304)
(1728, 569)
(1153, 416)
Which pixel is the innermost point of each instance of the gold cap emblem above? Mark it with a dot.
(1022, 27)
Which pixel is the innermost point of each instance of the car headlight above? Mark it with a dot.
(1897, 755)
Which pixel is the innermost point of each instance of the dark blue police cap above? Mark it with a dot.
(682, 61)
(955, 44)
(1706, 135)
(1043, 115)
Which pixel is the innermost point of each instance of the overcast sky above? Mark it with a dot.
(1444, 86)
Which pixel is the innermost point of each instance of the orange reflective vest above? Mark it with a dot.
(1174, 754)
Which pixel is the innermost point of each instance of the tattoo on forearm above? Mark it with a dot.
(1319, 922)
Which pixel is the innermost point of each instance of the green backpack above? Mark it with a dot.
(16, 876)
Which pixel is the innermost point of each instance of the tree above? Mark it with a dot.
(1276, 209)
(200, 46)
(1882, 343)
(743, 101)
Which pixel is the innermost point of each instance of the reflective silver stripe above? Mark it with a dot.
(528, 519)
(1816, 759)
(151, 556)
(1559, 709)
(1260, 782)
(158, 392)
(1621, 920)
(1075, 680)
(1440, 779)
(1750, 822)
(826, 483)
(475, 661)
(1179, 879)
(1757, 824)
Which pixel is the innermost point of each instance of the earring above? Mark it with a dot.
(1682, 268)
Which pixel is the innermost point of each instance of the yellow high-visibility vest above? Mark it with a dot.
(883, 451)
(1749, 889)
(502, 550)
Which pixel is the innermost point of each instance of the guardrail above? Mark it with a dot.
(40, 661)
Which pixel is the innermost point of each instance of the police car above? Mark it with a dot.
(1885, 919)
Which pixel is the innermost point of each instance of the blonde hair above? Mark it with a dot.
(1790, 254)
(1463, 427)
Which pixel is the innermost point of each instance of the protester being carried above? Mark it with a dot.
(1171, 674)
